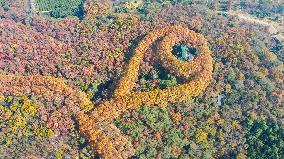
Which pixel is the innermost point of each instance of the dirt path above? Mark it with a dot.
(33, 5)
(276, 29)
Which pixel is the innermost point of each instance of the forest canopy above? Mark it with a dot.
(141, 79)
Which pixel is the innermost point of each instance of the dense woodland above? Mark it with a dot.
(89, 44)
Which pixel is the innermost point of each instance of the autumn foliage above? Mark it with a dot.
(96, 123)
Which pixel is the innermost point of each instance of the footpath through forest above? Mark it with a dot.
(274, 28)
